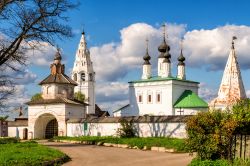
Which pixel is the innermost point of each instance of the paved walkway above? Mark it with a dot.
(91, 155)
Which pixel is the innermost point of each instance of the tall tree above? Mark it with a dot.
(26, 24)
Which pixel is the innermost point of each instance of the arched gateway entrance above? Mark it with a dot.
(51, 129)
(46, 126)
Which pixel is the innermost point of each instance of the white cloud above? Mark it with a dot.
(43, 56)
(206, 92)
(210, 48)
(248, 93)
(109, 95)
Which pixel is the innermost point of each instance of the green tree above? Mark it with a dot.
(4, 118)
(79, 96)
(37, 96)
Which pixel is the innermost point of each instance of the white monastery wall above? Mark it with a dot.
(175, 130)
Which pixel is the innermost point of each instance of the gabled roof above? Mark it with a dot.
(157, 78)
(121, 108)
(58, 78)
(56, 101)
(189, 99)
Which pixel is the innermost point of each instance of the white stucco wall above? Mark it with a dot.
(16, 131)
(175, 130)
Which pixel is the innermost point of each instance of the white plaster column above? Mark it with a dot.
(146, 71)
(181, 72)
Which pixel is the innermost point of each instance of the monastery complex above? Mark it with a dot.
(158, 104)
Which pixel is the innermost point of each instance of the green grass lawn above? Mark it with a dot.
(27, 154)
(170, 143)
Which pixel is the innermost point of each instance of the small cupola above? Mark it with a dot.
(181, 73)
(57, 67)
(146, 68)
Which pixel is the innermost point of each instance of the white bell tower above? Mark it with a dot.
(84, 75)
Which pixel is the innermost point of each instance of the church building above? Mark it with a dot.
(164, 94)
(231, 88)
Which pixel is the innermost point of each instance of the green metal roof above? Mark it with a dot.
(189, 99)
(157, 78)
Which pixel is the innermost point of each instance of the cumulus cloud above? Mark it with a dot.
(42, 55)
(248, 93)
(111, 91)
(110, 95)
(210, 48)
(206, 92)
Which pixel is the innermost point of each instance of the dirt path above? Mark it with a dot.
(91, 155)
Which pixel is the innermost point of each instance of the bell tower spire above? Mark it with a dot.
(84, 74)
(231, 88)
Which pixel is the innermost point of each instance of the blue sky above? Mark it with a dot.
(106, 23)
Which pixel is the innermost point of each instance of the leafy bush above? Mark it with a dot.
(241, 114)
(236, 162)
(6, 140)
(209, 134)
(127, 129)
(198, 162)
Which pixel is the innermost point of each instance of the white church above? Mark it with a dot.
(166, 93)
(158, 105)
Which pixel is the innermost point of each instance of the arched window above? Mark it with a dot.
(48, 90)
(75, 77)
(83, 76)
(91, 77)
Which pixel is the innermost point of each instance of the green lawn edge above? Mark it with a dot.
(30, 153)
(169, 143)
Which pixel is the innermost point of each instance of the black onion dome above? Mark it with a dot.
(163, 47)
(146, 58)
(58, 55)
(181, 59)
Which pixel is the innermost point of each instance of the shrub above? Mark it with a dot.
(127, 129)
(198, 162)
(6, 140)
(209, 134)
